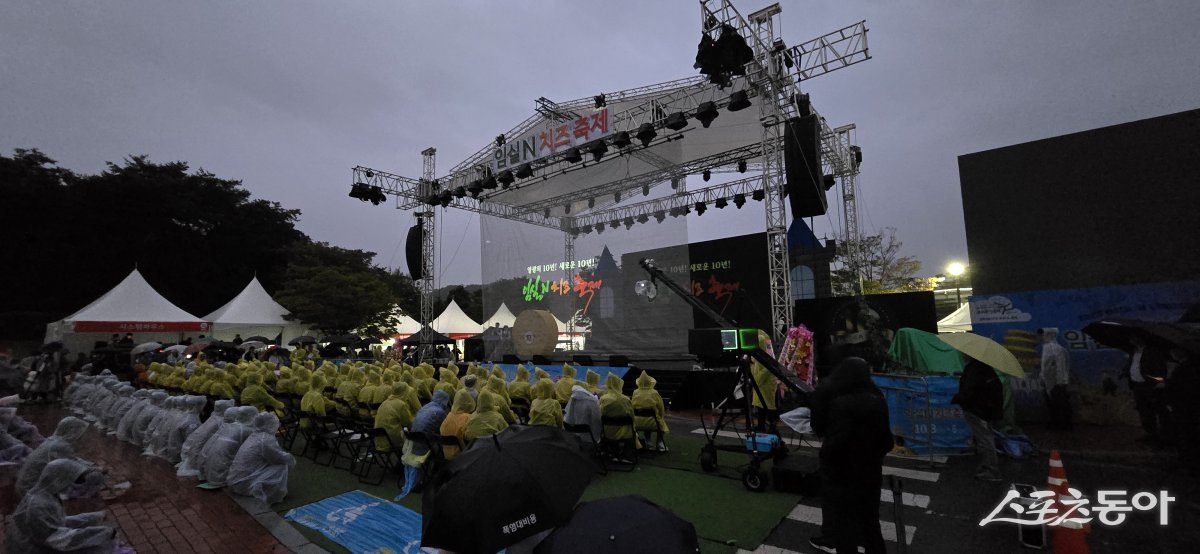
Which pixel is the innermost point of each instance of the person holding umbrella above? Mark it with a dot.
(1146, 373)
(981, 397)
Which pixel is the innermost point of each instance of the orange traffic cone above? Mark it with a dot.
(1069, 537)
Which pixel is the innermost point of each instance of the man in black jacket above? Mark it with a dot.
(1146, 372)
(981, 396)
(851, 415)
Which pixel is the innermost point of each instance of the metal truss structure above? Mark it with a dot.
(772, 78)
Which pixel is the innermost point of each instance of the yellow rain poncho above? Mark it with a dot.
(283, 385)
(766, 381)
(447, 387)
(496, 386)
(383, 391)
(456, 421)
(367, 393)
(615, 404)
(562, 389)
(545, 409)
(449, 374)
(220, 386)
(347, 392)
(519, 387)
(486, 420)
(497, 372)
(646, 397)
(255, 395)
(593, 382)
(394, 416)
(314, 401)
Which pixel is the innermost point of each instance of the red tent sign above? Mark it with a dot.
(139, 326)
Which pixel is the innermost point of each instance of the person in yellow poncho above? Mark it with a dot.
(383, 391)
(314, 402)
(497, 372)
(768, 384)
(447, 387)
(347, 391)
(562, 389)
(593, 382)
(486, 420)
(519, 387)
(283, 385)
(367, 393)
(496, 386)
(613, 403)
(394, 417)
(646, 397)
(424, 392)
(449, 375)
(545, 409)
(456, 421)
(220, 385)
(255, 395)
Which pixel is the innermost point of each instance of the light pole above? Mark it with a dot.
(956, 270)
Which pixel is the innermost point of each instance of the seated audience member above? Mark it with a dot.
(486, 420)
(260, 468)
(456, 421)
(545, 409)
(645, 397)
(189, 453)
(40, 523)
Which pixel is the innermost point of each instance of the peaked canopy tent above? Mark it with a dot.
(133, 306)
(958, 321)
(254, 312)
(455, 323)
(406, 326)
(502, 318)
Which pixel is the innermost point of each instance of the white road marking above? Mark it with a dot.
(812, 514)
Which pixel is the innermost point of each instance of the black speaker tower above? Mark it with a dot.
(412, 249)
(802, 166)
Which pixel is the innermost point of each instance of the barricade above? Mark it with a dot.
(921, 414)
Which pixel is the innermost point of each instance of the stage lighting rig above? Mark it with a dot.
(645, 190)
(572, 155)
(600, 101)
(721, 203)
(614, 223)
(506, 178)
(706, 175)
(676, 121)
(706, 113)
(460, 192)
(701, 207)
(524, 171)
(591, 203)
(758, 195)
(646, 133)
(660, 216)
(597, 149)
(643, 218)
(475, 188)
(739, 101)
(500, 140)
(489, 181)
(741, 166)
(628, 223)
(739, 200)
(621, 139)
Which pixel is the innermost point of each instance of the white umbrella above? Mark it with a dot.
(253, 344)
(177, 348)
(145, 347)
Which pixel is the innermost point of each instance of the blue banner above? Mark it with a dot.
(363, 524)
(920, 412)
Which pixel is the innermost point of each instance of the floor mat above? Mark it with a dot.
(362, 523)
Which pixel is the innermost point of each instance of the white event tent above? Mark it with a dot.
(958, 321)
(133, 306)
(503, 316)
(406, 326)
(254, 312)
(455, 323)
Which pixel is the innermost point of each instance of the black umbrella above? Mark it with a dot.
(627, 524)
(342, 340)
(1118, 332)
(503, 489)
(302, 339)
(258, 338)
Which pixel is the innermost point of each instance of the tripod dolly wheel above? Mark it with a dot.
(708, 458)
(754, 479)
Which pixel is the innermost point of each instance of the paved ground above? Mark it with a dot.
(160, 512)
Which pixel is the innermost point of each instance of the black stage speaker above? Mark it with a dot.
(802, 166)
(412, 249)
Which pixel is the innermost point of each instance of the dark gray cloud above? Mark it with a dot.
(287, 96)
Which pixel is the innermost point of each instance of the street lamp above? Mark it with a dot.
(956, 270)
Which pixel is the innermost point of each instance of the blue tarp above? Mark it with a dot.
(362, 523)
(914, 419)
(555, 371)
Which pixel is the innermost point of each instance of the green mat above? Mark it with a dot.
(726, 515)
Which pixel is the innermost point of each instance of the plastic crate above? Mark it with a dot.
(763, 441)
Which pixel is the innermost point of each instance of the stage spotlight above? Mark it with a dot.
(803, 105)
(506, 178)
(721, 203)
(499, 140)
(739, 200)
(643, 218)
(830, 181)
(567, 208)
(600, 100)
(741, 166)
(359, 191)
(739, 101)
(621, 139)
(586, 229)
(433, 199)
(706, 113)
(475, 188)
(546, 213)
(446, 197)
(628, 222)
(617, 196)
(377, 195)
(645, 190)
(676, 121)
(599, 228)
(614, 223)
(660, 216)
(646, 133)
(524, 171)
(460, 192)
(758, 195)
(573, 155)
(707, 175)
(701, 207)
(591, 203)
(597, 149)
(674, 212)
(370, 174)
(489, 181)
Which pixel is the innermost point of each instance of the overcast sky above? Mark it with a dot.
(288, 96)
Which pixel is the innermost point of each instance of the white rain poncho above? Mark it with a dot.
(118, 408)
(137, 434)
(260, 468)
(98, 394)
(60, 445)
(141, 399)
(190, 453)
(583, 408)
(218, 454)
(182, 428)
(40, 525)
(22, 430)
(102, 399)
(12, 450)
(155, 437)
(72, 388)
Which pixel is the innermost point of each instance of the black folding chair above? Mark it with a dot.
(598, 452)
(433, 462)
(622, 452)
(387, 460)
(450, 440)
(520, 406)
(652, 414)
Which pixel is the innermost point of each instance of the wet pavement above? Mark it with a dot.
(159, 513)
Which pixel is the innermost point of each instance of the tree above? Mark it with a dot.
(337, 290)
(884, 270)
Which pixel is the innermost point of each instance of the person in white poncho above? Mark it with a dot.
(261, 466)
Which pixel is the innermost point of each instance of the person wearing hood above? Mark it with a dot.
(255, 395)
(562, 389)
(768, 385)
(155, 436)
(486, 420)
(614, 403)
(40, 524)
(182, 428)
(455, 422)
(429, 420)
(1056, 375)
(394, 416)
(850, 414)
(222, 447)
(449, 374)
(520, 385)
(137, 434)
(593, 382)
(645, 397)
(260, 467)
(117, 409)
(189, 454)
(61, 445)
(140, 399)
(219, 386)
(314, 402)
(22, 430)
(11, 449)
(981, 396)
(470, 383)
(497, 387)
(545, 409)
